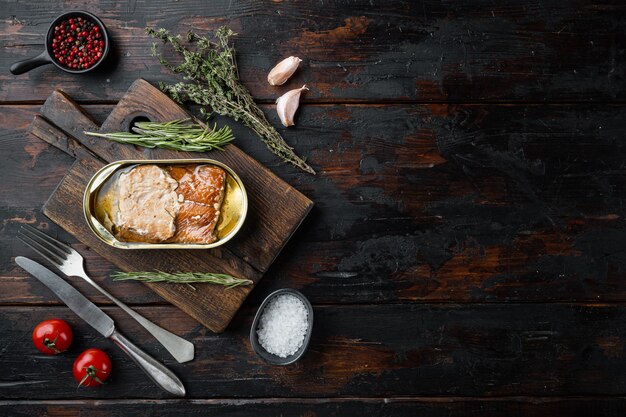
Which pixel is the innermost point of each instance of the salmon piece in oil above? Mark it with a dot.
(147, 205)
(200, 194)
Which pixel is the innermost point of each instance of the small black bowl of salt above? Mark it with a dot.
(281, 329)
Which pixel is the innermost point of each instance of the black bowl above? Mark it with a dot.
(254, 339)
(46, 56)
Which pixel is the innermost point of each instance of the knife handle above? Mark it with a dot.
(181, 349)
(161, 376)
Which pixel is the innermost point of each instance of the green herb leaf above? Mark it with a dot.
(182, 278)
(177, 135)
(211, 79)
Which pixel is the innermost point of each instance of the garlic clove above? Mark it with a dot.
(283, 70)
(287, 105)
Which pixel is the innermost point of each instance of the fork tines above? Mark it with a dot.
(46, 246)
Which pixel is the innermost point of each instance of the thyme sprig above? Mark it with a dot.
(182, 278)
(211, 79)
(178, 135)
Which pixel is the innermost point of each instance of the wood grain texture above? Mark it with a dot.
(470, 50)
(406, 210)
(366, 351)
(280, 407)
(470, 191)
(267, 229)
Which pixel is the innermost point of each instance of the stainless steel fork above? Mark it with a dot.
(70, 262)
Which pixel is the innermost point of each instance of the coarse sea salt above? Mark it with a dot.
(283, 325)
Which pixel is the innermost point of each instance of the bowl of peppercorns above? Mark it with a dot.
(77, 42)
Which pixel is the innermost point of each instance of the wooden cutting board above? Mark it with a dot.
(275, 208)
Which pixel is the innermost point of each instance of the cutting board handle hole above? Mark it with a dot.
(135, 120)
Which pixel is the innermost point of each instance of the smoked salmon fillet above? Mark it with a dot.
(200, 192)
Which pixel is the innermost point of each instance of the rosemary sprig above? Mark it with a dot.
(212, 80)
(182, 278)
(177, 135)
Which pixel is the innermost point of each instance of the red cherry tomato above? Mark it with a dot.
(52, 336)
(91, 368)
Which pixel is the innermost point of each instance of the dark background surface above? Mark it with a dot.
(465, 255)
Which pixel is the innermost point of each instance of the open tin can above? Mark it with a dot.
(232, 212)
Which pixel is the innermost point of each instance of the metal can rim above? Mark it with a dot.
(95, 182)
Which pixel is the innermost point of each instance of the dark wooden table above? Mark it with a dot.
(466, 254)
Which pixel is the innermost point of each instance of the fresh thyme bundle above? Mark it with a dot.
(182, 278)
(178, 135)
(211, 76)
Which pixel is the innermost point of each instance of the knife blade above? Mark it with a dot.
(77, 302)
(104, 324)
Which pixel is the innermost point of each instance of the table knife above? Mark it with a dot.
(104, 324)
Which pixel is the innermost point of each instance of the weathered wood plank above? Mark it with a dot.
(326, 407)
(437, 202)
(389, 50)
(369, 351)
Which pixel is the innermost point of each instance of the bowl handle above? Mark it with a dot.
(28, 64)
